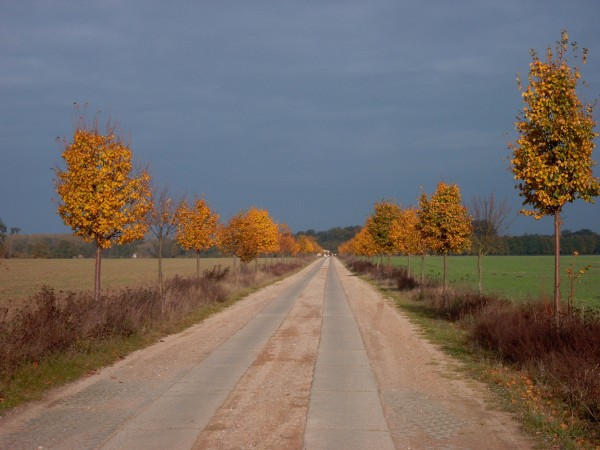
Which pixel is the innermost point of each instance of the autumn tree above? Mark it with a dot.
(379, 224)
(288, 246)
(196, 228)
(552, 156)
(445, 223)
(407, 237)
(362, 244)
(489, 225)
(251, 234)
(308, 245)
(103, 197)
(229, 236)
(162, 223)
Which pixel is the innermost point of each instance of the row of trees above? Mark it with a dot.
(441, 224)
(551, 163)
(108, 200)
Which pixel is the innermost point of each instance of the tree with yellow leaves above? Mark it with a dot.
(406, 235)
(196, 228)
(362, 244)
(445, 223)
(250, 234)
(288, 246)
(103, 198)
(229, 237)
(552, 157)
(379, 224)
(308, 245)
(162, 221)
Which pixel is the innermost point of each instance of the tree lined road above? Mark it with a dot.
(319, 360)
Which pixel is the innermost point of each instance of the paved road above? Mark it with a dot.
(285, 368)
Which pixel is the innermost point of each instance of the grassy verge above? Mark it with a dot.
(546, 375)
(59, 337)
(516, 277)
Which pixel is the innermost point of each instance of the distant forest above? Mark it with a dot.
(15, 245)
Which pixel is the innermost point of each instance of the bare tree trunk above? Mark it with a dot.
(160, 272)
(98, 272)
(198, 265)
(557, 223)
(408, 266)
(445, 272)
(479, 273)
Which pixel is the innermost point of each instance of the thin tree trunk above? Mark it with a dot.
(422, 268)
(479, 273)
(557, 263)
(160, 272)
(98, 272)
(445, 272)
(408, 266)
(198, 265)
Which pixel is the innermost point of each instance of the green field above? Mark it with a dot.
(517, 277)
(20, 278)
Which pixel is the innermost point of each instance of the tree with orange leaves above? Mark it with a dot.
(552, 157)
(407, 237)
(288, 246)
(379, 224)
(250, 234)
(445, 223)
(196, 228)
(103, 198)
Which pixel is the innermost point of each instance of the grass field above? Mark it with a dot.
(517, 277)
(20, 278)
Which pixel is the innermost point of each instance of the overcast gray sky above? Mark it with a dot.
(311, 109)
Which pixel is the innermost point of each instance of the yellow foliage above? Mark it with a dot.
(249, 234)
(196, 226)
(102, 199)
(444, 221)
(552, 157)
(405, 233)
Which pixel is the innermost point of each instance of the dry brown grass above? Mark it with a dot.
(22, 278)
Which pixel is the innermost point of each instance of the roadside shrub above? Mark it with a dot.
(396, 276)
(564, 355)
(280, 268)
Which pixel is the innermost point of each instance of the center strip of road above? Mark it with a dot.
(345, 409)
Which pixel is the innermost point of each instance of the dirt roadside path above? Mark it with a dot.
(426, 404)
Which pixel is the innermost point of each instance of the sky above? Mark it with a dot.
(311, 109)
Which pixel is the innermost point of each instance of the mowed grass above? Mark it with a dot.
(516, 277)
(21, 278)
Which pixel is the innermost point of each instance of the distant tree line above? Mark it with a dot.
(331, 239)
(585, 242)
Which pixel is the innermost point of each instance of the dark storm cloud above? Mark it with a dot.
(312, 109)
